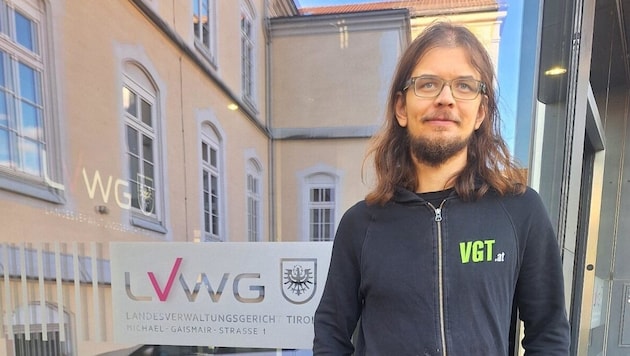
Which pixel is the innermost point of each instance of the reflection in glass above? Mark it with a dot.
(31, 156)
(132, 140)
(147, 148)
(145, 111)
(129, 101)
(30, 121)
(29, 83)
(214, 183)
(213, 157)
(4, 115)
(204, 152)
(25, 32)
(5, 154)
(3, 83)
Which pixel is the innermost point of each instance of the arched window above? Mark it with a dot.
(212, 184)
(143, 147)
(321, 203)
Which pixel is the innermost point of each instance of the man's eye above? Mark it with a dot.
(464, 86)
(428, 85)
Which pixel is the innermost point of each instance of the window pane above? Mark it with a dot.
(326, 195)
(129, 102)
(214, 183)
(5, 153)
(24, 32)
(132, 140)
(149, 176)
(213, 157)
(31, 155)
(3, 79)
(4, 115)
(204, 151)
(205, 23)
(145, 111)
(206, 222)
(133, 186)
(134, 169)
(28, 83)
(147, 148)
(196, 17)
(30, 122)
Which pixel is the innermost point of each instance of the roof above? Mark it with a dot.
(416, 7)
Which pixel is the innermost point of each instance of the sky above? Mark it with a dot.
(314, 3)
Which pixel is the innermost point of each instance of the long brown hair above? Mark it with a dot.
(489, 163)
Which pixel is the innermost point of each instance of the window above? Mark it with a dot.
(319, 201)
(253, 201)
(27, 148)
(142, 147)
(321, 213)
(247, 52)
(211, 185)
(204, 22)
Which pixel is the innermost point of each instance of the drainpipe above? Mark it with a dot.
(268, 123)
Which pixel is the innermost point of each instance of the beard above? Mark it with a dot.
(435, 151)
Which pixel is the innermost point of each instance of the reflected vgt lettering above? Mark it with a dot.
(121, 190)
(162, 293)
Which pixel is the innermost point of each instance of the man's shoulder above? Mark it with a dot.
(527, 202)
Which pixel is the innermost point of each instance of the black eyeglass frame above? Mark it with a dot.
(481, 88)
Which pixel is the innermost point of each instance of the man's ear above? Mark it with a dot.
(482, 112)
(401, 109)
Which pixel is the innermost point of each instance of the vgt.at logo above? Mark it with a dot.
(299, 279)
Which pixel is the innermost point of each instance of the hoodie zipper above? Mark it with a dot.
(438, 220)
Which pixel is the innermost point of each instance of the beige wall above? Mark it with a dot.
(333, 79)
(297, 158)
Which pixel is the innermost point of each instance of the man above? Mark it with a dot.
(450, 240)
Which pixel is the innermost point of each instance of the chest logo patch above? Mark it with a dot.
(479, 251)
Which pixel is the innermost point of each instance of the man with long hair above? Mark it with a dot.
(451, 241)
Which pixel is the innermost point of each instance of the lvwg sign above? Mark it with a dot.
(221, 294)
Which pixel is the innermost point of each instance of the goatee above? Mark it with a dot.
(435, 152)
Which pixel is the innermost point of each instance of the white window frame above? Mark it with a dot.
(254, 200)
(211, 138)
(209, 47)
(46, 183)
(320, 175)
(137, 81)
(321, 206)
(248, 48)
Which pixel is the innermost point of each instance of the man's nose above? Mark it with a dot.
(445, 97)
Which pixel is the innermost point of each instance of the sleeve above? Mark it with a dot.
(339, 309)
(540, 287)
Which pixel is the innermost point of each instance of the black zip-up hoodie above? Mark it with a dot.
(421, 279)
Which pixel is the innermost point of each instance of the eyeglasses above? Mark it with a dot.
(429, 87)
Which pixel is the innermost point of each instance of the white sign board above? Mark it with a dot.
(261, 295)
